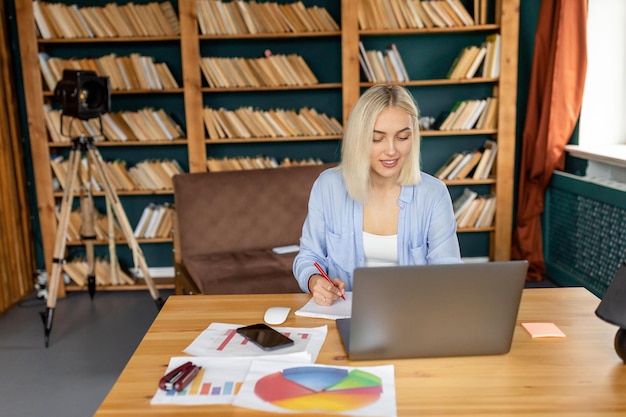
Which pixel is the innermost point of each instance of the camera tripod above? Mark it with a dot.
(86, 144)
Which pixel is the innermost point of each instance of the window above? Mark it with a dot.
(602, 129)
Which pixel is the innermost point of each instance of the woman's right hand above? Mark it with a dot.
(323, 291)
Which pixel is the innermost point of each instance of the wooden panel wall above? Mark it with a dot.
(16, 248)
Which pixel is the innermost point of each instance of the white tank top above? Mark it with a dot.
(380, 250)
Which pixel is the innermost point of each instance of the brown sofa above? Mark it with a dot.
(227, 224)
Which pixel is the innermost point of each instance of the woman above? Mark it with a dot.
(376, 208)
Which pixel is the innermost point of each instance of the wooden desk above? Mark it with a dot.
(577, 375)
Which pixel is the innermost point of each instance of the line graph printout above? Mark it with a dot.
(218, 382)
(222, 340)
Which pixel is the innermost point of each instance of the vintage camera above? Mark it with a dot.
(83, 94)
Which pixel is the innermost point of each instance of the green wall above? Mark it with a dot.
(321, 54)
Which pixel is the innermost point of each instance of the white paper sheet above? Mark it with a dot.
(222, 340)
(340, 309)
(297, 388)
(217, 382)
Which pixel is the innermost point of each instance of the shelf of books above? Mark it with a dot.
(260, 81)
(459, 59)
(210, 85)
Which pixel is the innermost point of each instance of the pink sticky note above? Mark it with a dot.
(543, 330)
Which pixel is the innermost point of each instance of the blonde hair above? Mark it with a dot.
(358, 135)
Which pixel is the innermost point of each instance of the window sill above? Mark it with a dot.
(609, 154)
(606, 162)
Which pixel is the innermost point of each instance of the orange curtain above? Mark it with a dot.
(554, 101)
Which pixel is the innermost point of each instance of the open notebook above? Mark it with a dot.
(340, 309)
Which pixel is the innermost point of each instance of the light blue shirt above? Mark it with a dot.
(332, 234)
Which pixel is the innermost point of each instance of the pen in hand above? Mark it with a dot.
(323, 273)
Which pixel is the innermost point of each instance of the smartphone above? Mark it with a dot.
(265, 337)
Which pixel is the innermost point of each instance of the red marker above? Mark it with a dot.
(180, 377)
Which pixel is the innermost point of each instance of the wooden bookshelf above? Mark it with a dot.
(195, 93)
(506, 23)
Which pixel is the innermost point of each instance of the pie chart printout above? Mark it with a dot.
(308, 388)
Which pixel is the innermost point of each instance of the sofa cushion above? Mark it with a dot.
(222, 212)
(244, 272)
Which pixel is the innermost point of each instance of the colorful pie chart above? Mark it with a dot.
(310, 388)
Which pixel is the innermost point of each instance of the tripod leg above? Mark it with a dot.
(88, 231)
(60, 241)
(115, 270)
(98, 164)
(88, 234)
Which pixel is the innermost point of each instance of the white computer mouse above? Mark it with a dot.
(276, 315)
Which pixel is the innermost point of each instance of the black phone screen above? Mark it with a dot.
(264, 336)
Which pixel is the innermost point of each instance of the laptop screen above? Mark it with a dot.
(434, 310)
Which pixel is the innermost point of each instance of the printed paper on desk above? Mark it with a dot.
(217, 382)
(543, 330)
(287, 388)
(222, 340)
(340, 309)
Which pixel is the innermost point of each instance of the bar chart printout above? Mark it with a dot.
(200, 386)
(217, 382)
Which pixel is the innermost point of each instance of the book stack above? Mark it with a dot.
(472, 210)
(106, 274)
(492, 57)
(56, 20)
(155, 222)
(268, 71)
(468, 63)
(485, 165)
(146, 124)
(133, 72)
(101, 226)
(475, 164)
(477, 61)
(382, 66)
(142, 125)
(60, 169)
(148, 175)
(480, 12)
(71, 127)
(412, 14)
(248, 123)
(259, 162)
(216, 17)
(151, 175)
(471, 114)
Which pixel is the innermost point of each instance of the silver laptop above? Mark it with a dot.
(433, 310)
